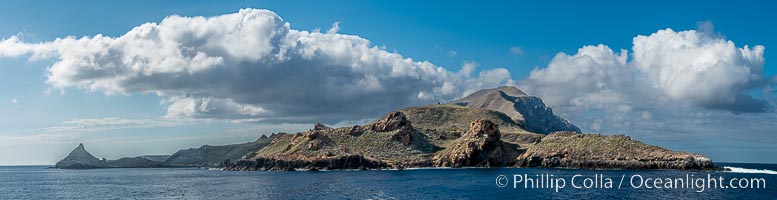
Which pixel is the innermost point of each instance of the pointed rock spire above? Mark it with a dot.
(79, 158)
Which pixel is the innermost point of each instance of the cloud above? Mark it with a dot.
(268, 129)
(705, 70)
(335, 28)
(594, 77)
(74, 130)
(706, 27)
(249, 66)
(45, 138)
(686, 67)
(518, 51)
(111, 123)
(670, 83)
(452, 53)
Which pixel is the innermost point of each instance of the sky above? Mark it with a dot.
(152, 77)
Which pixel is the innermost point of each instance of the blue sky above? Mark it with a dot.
(43, 120)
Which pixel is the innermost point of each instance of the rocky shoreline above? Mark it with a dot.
(330, 163)
(560, 150)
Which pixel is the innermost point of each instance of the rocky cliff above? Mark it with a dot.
(527, 111)
(79, 158)
(481, 146)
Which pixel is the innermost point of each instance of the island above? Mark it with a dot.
(498, 127)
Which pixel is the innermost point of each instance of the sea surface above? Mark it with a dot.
(40, 182)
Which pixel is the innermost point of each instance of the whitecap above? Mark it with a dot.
(748, 171)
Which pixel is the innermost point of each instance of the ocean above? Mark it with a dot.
(41, 182)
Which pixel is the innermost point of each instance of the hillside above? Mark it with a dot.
(445, 122)
(390, 141)
(528, 112)
(214, 156)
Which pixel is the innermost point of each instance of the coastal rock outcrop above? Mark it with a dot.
(481, 146)
(395, 121)
(404, 135)
(591, 151)
(355, 131)
(326, 163)
(79, 158)
(390, 122)
(313, 140)
(390, 141)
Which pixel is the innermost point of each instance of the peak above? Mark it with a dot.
(529, 111)
(511, 90)
(391, 121)
(320, 127)
(80, 149)
(500, 93)
(79, 158)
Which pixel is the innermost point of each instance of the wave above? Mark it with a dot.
(748, 171)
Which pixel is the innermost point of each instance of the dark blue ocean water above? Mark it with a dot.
(39, 182)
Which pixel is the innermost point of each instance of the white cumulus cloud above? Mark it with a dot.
(703, 69)
(686, 67)
(249, 66)
(667, 79)
(595, 77)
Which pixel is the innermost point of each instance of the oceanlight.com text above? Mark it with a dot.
(697, 183)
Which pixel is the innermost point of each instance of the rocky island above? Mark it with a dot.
(79, 158)
(500, 127)
(204, 156)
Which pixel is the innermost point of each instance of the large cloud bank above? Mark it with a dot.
(667, 67)
(692, 83)
(250, 66)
